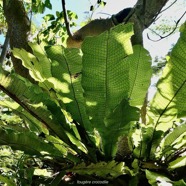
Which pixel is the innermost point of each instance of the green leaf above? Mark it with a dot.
(78, 143)
(141, 138)
(173, 141)
(35, 101)
(179, 131)
(179, 162)
(140, 64)
(63, 148)
(156, 179)
(55, 71)
(72, 15)
(33, 124)
(7, 180)
(170, 98)
(49, 17)
(48, 4)
(69, 63)
(103, 169)
(41, 7)
(32, 144)
(106, 67)
(66, 71)
(27, 142)
(169, 102)
(42, 172)
(39, 67)
(118, 124)
(105, 74)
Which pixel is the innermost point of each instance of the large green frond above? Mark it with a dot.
(105, 80)
(59, 79)
(169, 103)
(35, 101)
(67, 68)
(27, 142)
(31, 144)
(170, 100)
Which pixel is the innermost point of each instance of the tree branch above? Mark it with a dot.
(66, 19)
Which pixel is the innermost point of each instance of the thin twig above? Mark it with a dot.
(169, 6)
(66, 19)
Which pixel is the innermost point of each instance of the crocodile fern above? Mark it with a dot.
(87, 105)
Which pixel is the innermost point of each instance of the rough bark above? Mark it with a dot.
(18, 29)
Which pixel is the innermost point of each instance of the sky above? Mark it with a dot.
(81, 6)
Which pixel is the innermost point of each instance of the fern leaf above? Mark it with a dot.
(170, 98)
(139, 75)
(103, 169)
(34, 101)
(105, 76)
(31, 144)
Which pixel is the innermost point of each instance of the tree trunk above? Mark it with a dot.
(18, 30)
